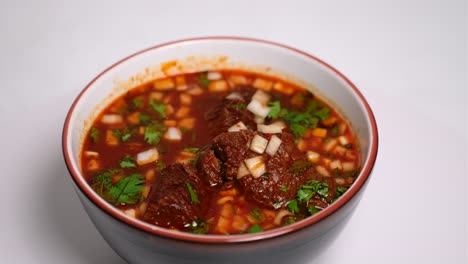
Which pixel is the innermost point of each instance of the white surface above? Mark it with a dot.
(409, 58)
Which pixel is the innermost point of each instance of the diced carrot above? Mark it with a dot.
(195, 90)
(218, 86)
(111, 139)
(169, 109)
(134, 118)
(164, 84)
(170, 123)
(329, 121)
(182, 112)
(319, 132)
(238, 79)
(282, 88)
(185, 99)
(187, 123)
(166, 66)
(156, 96)
(263, 84)
(93, 165)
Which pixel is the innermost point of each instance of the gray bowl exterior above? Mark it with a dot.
(137, 246)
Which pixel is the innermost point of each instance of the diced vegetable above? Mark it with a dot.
(258, 109)
(312, 156)
(237, 127)
(173, 133)
(328, 146)
(242, 171)
(273, 145)
(111, 139)
(262, 84)
(261, 97)
(164, 84)
(322, 171)
(182, 112)
(91, 154)
(273, 128)
(348, 166)
(187, 123)
(343, 140)
(93, 165)
(110, 119)
(180, 83)
(212, 76)
(336, 164)
(130, 212)
(185, 99)
(258, 144)
(238, 79)
(319, 132)
(148, 156)
(234, 96)
(170, 123)
(256, 166)
(218, 86)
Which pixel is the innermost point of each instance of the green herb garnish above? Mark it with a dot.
(275, 109)
(284, 188)
(299, 166)
(137, 102)
(159, 108)
(203, 80)
(160, 164)
(127, 190)
(144, 119)
(312, 210)
(152, 136)
(94, 134)
(257, 215)
(191, 150)
(322, 113)
(123, 136)
(255, 229)
(339, 192)
(102, 182)
(127, 162)
(198, 227)
(193, 195)
(289, 220)
(292, 206)
(240, 106)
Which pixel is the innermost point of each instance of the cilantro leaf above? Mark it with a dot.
(240, 106)
(144, 119)
(292, 206)
(137, 102)
(284, 188)
(123, 136)
(159, 108)
(339, 192)
(160, 164)
(192, 150)
(203, 80)
(198, 227)
(257, 215)
(313, 210)
(289, 220)
(127, 162)
(152, 136)
(94, 134)
(127, 190)
(193, 195)
(102, 182)
(322, 113)
(255, 229)
(275, 109)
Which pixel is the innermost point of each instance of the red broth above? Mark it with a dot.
(129, 154)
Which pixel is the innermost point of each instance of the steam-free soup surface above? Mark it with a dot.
(222, 152)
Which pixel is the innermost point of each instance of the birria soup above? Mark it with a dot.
(220, 152)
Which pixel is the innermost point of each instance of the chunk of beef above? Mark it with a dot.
(210, 168)
(279, 184)
(230, 111)
(232, 148)
(170, 202)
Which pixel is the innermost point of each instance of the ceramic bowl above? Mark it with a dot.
(139, 242)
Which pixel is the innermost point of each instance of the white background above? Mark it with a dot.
(409, 58)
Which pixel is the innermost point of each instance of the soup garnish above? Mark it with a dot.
(220, 152)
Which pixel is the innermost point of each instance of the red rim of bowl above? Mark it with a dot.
(117, 214)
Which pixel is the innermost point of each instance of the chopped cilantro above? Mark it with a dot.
(284, 188)
(292, 206)
(144, 119)
(203, 80)
(339, 192)
(322, 113)
(289, 220)
(102, 182)
(334, 131)
(275, 109)
(127, 162)
(198, 227)
(255, 229)
(310, 189)
(123, 136)
(240, 106)
(299, 166)
(94, 134)
(257, 215)
(266, 175)
(160, 164)
(277, 205)
(192, 150)
(152, 136)
(137, 102)
(127, 190)
(159, 108)
(313, 210)
(193, 195)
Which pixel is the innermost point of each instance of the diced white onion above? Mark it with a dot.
(111, 119)
(336, 164)
(147, 156)
(242, 171)
(258, 144)
(91, 153)
(343, 140)
(173, 133)
(258, 109)
(237, 127)
(213, 76)
(261, 97)
(273, 145)
(130, 212)
(348, 166)
(280, 216)
(312, 156)
(273, 128)
(256, 166)
(259, 120)
(234, 96)
(328, 146)
(322, 171)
